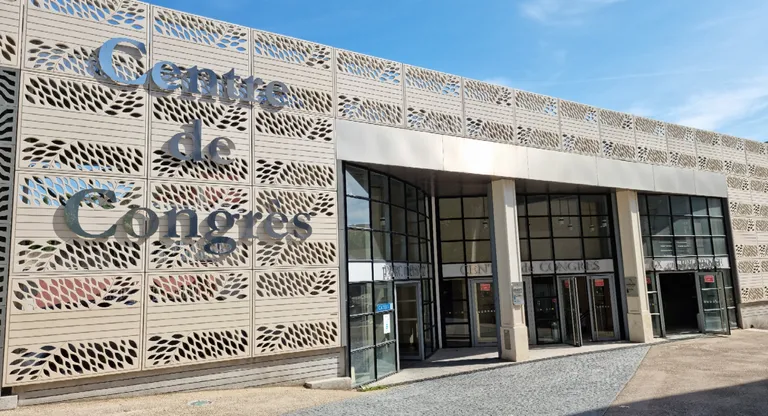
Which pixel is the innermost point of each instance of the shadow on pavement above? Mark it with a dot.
(742, 399)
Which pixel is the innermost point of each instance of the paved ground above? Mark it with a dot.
(582, 384)
(251, 402)
(708, 376)
(705, 376)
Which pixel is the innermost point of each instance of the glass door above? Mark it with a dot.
(603, 311)
(713, 310)
(569, 311)
(655, 305)
(409, 321)
(483, 308)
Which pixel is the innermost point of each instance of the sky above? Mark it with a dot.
(700, 63)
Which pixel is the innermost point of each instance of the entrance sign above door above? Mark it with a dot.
(567, 266)
(168, 77)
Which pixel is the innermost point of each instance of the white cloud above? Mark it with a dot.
(716, 109)
(562, 11)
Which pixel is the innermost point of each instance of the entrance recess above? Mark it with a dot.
(588, 309)
(409, 321)
(689, 302)
(484, 312)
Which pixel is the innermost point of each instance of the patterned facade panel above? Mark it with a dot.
(306, 68)
(681, 144)
(295, 311)
(739, 189)
(174, 114)
(580, 128)
(320, 206)
(734, 155)
(44, 345)
(369, 89)
(189, 253)
(757, 159)
(617, 135)
(197, 317)
(433, 101)
(81, 126)
(64, 36)
(292, 137)
(537, 120)
(489, 111)
(709, 154)
(650, 137)
(43, 242)
(188, 40)
(10, 33)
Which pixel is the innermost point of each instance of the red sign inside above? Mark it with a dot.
(485, 287)
(599, 282)
(567, 284)
(648, 280)
(709, 279)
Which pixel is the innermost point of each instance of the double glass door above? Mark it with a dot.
(587, 309)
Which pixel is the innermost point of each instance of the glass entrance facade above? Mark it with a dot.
(684, 234)
(388, 240)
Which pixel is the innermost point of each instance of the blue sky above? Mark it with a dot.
(701, 63)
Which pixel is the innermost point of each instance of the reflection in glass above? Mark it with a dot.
(360, 331)
(567, 248)
(701, 226)
(683, 226)
(684, 246)
(362, 366)
(397, 192)
(660, 226)
(599, 226)
(399, 248)
(594, 205)
(699, 205)
(565, 205)
(357, 213)
(477, 229)
(379, 187)
(658, 205)
(380, 216)
(450, 207)
(680, 205)
(538, 205)
(453, 252)
(715, 207)
(478, 251)
(360, 298)
(538, 227)
(541, 249)
(385, 359)
(566, 227)
(597, 248)
(359, 244)
(717, 227)
(356, 181)
(475, 207)
(381, 246)
(398, 220)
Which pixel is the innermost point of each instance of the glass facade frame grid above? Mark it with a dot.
(362, 249)
(662, 209)
(448, 302)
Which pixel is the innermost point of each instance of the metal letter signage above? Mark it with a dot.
(168, 77)
(276, 224)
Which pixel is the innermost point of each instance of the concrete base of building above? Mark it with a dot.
(514, 343)
(640, 327)
(9, 402)
(336, 383)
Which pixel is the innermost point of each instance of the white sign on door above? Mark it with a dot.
(387, 326)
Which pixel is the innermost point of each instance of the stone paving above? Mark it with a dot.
(582, 384)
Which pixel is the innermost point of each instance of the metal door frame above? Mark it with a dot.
(615, 312)
(721, 300)
(474, 324)
(419, 322)
(532, 338)
(577, 340)
(657, 278)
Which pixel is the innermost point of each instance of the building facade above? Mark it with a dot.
(189, 203)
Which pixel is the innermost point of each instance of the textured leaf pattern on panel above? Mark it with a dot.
(198, 287)
(71, 359)
(76, 255)
(173, 254)
(75, 293)
(298, 126)
(81, 156)
(292, 50)
(314, 203)
(167, 166)
(433, 81)
(184, 110)
(201, 198)
(422, 119)
(79, 60)
(489, 93)
(55, 191)
(196, 346)
(297, 336)
(86, 97)
(294, 174)
(491, 130)
(368, 110)
(9, 79)
(124, 13)
(296, 284)
(306, 253)
(8, 49)
(200, 30)
(368, 67)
